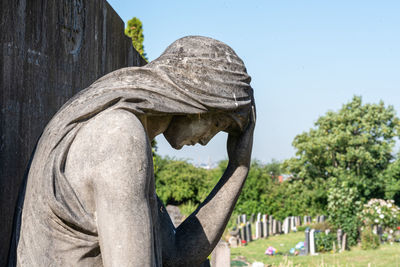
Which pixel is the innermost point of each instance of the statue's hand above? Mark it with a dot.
(240, 146)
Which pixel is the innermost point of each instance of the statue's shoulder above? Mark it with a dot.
(116, 124)
(112, 132)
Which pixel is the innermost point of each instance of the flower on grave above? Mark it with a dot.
(244, 242)
(376, 221)
(398, 227)
(381, 216)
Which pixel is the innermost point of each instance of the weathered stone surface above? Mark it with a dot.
(49, 50)
(92, 176)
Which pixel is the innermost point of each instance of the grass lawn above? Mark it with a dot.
(385, 255)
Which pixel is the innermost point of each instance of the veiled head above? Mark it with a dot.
(211, 74)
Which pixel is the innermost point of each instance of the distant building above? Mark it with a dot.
(284, 177)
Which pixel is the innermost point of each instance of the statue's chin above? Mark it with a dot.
(177, 147)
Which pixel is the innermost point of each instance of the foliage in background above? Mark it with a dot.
(354, 145)
(391, 178)
(378, 212)
(341, 163)
(381, 212)
(180, 183)
(322, 226)
(343, 209)
(134, 30)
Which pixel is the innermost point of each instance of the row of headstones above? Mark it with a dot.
(266, 226)
(306, 219)
(292, 222)
(309, 242)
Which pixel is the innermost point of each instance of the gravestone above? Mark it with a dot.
(339, 238)
(242, 232)
(265, 226)
(307, 241)
(344, 242)
(233, 242)
(50, 50)
(279, 227)
(244, 219)
(298, 221)
(252, 218)
(292, 224)
(248, 232)
(274, 227)
(221, 255)
(286, 223)
(259, 227)
(270, 226)
(312, 242)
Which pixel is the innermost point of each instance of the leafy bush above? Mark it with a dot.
(302, 228)
(324, 242)
(322, 226)
(343, 209)
(369, 240)
(381, 213)
(178, 181)
(187, 208)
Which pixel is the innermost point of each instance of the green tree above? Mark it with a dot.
(354, 145)
(179, 182)
(134, 30)
(391, 176)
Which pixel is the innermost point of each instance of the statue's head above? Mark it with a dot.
(209, 73)
(199, 81)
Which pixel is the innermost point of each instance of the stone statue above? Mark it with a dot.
(89, 197)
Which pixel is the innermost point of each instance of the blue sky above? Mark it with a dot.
(305, 58)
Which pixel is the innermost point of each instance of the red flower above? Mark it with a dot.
(398, 227)
(243, 241)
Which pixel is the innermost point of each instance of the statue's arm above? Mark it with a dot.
(195, 238)
(119, 156)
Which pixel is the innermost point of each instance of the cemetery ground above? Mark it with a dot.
(385, 255)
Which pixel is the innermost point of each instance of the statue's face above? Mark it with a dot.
(193, 129)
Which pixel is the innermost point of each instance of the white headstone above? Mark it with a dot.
(233, 242)
(286, 224)
(221, 255)
(244, 220)
(258, 229)
(265, 226)
(312, 242)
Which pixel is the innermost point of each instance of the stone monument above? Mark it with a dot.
(49, 51)
(89, 197)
